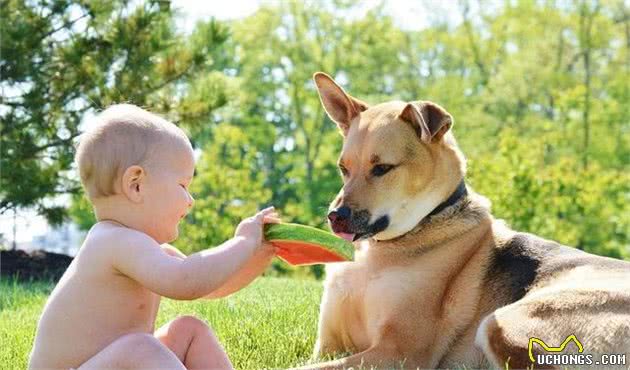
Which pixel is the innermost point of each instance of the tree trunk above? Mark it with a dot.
(586, 24)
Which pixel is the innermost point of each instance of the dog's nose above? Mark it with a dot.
(339, 214)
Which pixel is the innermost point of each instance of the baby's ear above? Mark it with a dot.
(132, 182)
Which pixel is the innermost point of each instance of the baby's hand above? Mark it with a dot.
(251, 228)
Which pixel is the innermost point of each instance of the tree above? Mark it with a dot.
(227, 188)
(278, 49)
(537, 89)
(62, 61)
(512, 71)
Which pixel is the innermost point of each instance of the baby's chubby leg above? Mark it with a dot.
(193, 343)
(134, 351)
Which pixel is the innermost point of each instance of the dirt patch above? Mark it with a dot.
(37, 265)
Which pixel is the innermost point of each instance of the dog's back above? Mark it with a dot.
(536, 288)
(526, 261)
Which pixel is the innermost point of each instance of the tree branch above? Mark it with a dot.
(65, 25)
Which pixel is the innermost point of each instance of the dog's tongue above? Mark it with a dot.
(348, 237)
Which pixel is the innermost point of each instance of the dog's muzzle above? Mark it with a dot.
(355, 225)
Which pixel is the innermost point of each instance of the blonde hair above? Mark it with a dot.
(123, 135)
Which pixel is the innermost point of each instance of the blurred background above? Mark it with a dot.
(539, 91)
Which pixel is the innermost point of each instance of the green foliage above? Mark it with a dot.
(63, 60)
(555, 198)
(539, 93)
(81, 211)
(531, 113)
(226, 190)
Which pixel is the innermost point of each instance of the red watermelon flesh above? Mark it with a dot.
(305, 245)
(299, 253)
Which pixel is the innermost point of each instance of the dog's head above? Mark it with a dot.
(399, 162)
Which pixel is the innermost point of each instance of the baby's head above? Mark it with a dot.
(136, 168)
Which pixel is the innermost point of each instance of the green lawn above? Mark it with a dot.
(270, 324)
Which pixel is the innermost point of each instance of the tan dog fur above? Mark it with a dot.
(458, 288)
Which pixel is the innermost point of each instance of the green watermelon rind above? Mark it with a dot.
(309, 235)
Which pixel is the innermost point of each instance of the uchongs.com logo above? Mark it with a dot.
(554, 355)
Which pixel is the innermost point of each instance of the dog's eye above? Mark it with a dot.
(381, 169)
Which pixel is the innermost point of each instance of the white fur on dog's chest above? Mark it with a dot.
(359, 303)
(342, 314)
(392, 292)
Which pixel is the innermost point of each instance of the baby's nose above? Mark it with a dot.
(191, 201)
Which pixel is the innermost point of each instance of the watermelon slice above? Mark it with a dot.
(304, 245)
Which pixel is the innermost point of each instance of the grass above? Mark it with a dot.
(270, 324)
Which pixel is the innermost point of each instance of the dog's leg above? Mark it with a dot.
(504, 345)
(332, 318)
(327, 344)
(393, 350)
(599, 320)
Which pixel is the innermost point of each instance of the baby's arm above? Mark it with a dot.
(170, 275)
(250, 271)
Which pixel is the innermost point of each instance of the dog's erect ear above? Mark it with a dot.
(429, 120)
(341, 107)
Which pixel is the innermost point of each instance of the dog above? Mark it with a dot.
(437, 282)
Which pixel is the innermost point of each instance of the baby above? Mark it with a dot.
(136, 169)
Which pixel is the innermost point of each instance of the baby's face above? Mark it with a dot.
(167, 198)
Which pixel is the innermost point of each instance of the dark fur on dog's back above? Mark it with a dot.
(513, 267)
(526, 260)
